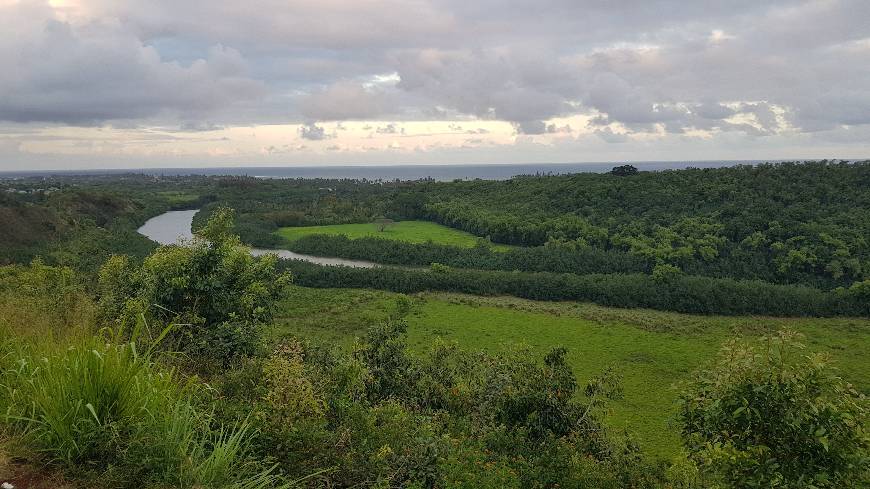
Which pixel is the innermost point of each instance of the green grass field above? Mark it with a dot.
(652, 350)
(409, 231)
(175, 197)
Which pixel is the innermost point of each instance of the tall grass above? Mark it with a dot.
(100, 407)
(39, 301)
(78, 404)
(106, 407)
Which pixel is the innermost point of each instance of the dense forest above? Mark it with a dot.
(682, 293)
(802, 223)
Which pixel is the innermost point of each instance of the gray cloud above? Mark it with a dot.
(608, 135)
(313, 132)
(199, 126)
(647, 65)
(343, 100)
(712, 111)
(57, 72)
(390, 128)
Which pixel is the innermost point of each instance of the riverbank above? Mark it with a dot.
(173, 227)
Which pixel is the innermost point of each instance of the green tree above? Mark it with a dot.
(664, 272)
(624, 170)
(776, 417)
(217, 294)
(384, 353)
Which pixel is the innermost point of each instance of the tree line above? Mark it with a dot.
(662, 290)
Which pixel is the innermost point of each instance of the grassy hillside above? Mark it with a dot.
(651, 350)
(407, 231)
(76, 227)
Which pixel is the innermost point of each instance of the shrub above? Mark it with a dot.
(555, 257)
(213, 289)
(776, 417)
(664, 272)
(384, 353)
(380, 416)
(290, 395)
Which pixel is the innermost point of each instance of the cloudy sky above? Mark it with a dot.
(124, 83)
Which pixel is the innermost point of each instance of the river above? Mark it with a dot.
(175, 226)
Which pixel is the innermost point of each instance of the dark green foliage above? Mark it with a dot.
(386, 357)
(670, 292)
(90, 224)
(780, 223)
(218, 294)
(381, 417)
(263, 205)
(623, 170)
(789, 223)
(552, 258)
(796, 223)
(776, 417)
(784, 223)
(80, 221)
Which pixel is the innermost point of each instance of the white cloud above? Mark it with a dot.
(664, 72)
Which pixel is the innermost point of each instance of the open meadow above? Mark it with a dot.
(407, 231)
(651, 350)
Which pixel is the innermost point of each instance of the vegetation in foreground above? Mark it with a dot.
(652, 351)
(774, 416)
(104, 407)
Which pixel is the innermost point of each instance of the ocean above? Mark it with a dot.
(400, 172)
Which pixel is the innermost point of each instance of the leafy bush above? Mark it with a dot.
(290, 395)
(665, 273)
(382, 417)
(384, 353)
(212, 288)
(776, 417)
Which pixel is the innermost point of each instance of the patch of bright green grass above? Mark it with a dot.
(409, 231)
(652, 350)
(333, 316)
(175, 197)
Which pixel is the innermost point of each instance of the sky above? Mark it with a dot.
(184, 83)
